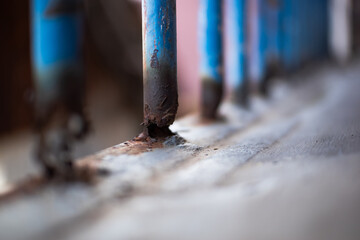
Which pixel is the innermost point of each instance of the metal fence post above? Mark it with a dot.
(257, 44)
(271, 20)
(289, 33)
(236, 54)
(160, 66)
(211, 56)
(59, 76)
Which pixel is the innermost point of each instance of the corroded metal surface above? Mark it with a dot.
(159, 63)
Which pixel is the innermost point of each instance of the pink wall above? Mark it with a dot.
(188, 55)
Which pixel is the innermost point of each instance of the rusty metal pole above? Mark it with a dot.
(211, 56)
(160, 66)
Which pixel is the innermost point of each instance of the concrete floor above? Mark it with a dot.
(287, 169)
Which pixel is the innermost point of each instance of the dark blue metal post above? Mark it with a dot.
(236, 50)
(160, 66)
(211, 56)
(58, 74)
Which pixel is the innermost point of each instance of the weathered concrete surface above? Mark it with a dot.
(288, 169)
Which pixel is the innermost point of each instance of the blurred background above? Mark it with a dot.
(113, 65)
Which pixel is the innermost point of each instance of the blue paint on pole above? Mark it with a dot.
(257, 42)
(296, 38)
(236, 49)
(57, 30)
(325, 28)
(56, 40)
(159, 63)
(211, 55)
(308, 29)
(211, 41)
(289, 34)
(272, 21)
(304, 32)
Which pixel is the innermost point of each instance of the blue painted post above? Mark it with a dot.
(311, 29)
(303, 33)
(160, 66)
(236, 50)
(271, 22)
(257, 44)
(282, 34)
(289, 35)
(296, 38)
(211, 56)
(325, 28)
(308, 30)
(58, 72)
(56, 42)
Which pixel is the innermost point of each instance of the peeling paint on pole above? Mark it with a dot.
(160, 65)
(211, 56)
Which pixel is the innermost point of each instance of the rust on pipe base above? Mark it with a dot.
(160, 98)
(212, 93)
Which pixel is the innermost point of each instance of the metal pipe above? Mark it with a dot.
(257, 44)
(308, 30)
(270, 18)
(236, 50)
(211, 56)
(272, 21)
(59, 77)
(325, 22)
(159, 65)
(288, 35)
